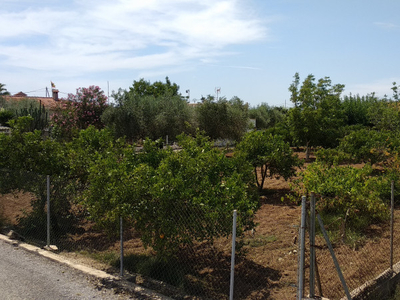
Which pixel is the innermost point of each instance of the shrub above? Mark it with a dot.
(25, 160)
(344, 190)
(367, 145)
(79, 112)
(332, 156)
(5, 116)
(172, 198)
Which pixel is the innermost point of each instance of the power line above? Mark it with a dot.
(35, 91)
(38, 90)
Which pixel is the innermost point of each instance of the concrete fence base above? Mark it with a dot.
(380, 287)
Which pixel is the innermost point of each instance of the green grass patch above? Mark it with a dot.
(344, 231)
(169, 270)
(259, 241)
(110, 258)
(396, 294)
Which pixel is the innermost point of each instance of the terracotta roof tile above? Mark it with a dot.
(48, 102)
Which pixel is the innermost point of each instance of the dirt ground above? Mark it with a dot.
(273, 246)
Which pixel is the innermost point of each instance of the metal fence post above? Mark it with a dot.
(300, 286)
(233, 255)
(312, 244)
(335, 261)
(48, 210)
(121, 271)
(391, 224)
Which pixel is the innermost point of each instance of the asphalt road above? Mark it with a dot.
(26, 275)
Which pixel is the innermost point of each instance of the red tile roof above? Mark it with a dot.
(48, 102)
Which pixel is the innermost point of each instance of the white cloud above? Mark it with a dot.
(380, 87)
(32, 23)
(386, 25)
(94, 36)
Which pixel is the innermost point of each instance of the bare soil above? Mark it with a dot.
(271, 250)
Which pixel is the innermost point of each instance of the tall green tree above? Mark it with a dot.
(226, 119)
(385, 115)
(149, 110)
(156, 89)
(356, 109)
(395, 89)
(317, 116)
(267, 116)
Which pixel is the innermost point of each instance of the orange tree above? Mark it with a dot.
(25, 160)
(172, 198)
(268, 152)
(353, 196)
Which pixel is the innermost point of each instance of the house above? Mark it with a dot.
(49, 102)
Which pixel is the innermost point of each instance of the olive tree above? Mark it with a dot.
(149, 110)
(226, 119)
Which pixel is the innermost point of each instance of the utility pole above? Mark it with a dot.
(217, 91)
(108, 92)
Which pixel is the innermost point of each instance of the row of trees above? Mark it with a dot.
(158, 110)
(345, 131)
(151, 189)
(145, 110)
(96, 167)
(150, 111)
(320, 115)
(103, 160)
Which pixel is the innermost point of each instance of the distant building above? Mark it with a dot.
(49, 102)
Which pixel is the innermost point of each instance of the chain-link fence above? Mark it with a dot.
(350, 265)
(266, 260)
(45, 212)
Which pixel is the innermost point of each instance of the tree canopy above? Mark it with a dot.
(149, 110)
(156, 89)
(268, 153)
(317, 116)
(223, 119)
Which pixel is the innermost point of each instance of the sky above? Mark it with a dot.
(245, 48)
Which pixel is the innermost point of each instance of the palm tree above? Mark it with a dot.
(3, 90)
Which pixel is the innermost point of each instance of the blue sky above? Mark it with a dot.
(247, 48)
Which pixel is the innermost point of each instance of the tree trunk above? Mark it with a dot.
(264, 170)
(255, 173)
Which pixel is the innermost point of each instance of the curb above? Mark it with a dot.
(132, 288)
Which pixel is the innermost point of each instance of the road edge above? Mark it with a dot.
(132, 288)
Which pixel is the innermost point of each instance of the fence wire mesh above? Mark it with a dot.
(266, 259)
(362, 256)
